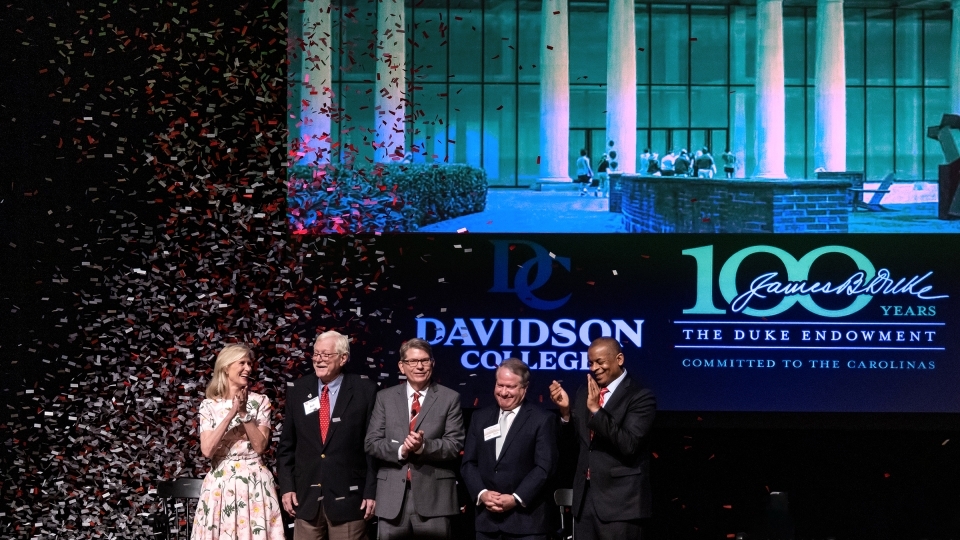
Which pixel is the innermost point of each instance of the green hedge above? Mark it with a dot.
(399, 197)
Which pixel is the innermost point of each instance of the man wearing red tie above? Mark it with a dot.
(611, 420)
(326, 481)
(416, 434)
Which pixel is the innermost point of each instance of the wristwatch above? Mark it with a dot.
(246, 418)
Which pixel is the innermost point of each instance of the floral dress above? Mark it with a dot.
(238, 500)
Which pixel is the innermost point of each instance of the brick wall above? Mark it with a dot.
(697, 205)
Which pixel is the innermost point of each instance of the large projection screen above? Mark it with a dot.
(453, 135)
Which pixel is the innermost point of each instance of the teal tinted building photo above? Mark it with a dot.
(449, 115)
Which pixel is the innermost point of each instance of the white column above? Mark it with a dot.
(317, 93)
(739, 136)
(554, 92)
(771, 96)
(830, 91)
(955, 59)
(391, 81)
(622, 84)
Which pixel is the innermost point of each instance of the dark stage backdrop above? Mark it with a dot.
(143, 226)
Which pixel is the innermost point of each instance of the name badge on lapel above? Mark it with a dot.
(311, 405)
(491, 432)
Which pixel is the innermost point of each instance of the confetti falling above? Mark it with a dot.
(144, 194)
(175, 244)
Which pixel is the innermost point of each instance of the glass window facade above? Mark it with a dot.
(473, 82)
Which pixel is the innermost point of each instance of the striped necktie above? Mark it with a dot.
(414, 412)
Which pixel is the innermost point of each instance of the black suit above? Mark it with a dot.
(618, 456)
(528, 458)
(344, 473)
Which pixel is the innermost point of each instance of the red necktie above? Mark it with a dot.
(414, 411)
(603, 392)
(324, 414)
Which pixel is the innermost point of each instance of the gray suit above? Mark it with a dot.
(433, 485)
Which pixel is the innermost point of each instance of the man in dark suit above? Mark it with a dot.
(611, 419)
(326, 481)
(416, 433)
(510, 453)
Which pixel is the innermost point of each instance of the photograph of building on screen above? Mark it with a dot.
(595, 116)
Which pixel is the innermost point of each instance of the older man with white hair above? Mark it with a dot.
(327, 482)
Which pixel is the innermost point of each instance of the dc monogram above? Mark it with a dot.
(523, 286)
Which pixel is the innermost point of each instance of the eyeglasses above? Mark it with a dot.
(325, 356)
(417, 362)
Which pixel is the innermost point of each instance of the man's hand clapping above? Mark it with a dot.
(560, 397)
(593, 395)
(412, 443)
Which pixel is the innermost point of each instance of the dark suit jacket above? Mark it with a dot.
(619, 454)
(433, 471)
(337, 471)
(528, 458)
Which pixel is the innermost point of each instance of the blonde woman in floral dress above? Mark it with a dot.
(238, 500)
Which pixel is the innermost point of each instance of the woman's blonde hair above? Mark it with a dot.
(230, 354)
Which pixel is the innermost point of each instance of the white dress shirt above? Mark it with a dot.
(612, 387)
(505, 421)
